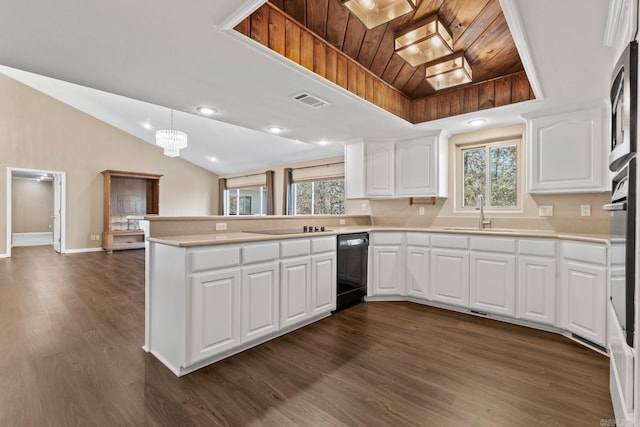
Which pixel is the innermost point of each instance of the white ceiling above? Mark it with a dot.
(127, 62)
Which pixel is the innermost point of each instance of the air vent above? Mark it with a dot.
(310, 100)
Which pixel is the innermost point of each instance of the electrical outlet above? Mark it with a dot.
(343, 221)
(421, 210)
(92, 237)
(585, 210)
(364, 207)
(545, 210)
(221, 226)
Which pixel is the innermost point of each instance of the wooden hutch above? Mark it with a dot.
(127, 194)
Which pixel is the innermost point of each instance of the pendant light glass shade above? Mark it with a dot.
(450, 71)
(424, 41)
(171, 140)
(376, 12)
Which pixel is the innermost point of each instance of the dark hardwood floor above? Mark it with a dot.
(72, 327)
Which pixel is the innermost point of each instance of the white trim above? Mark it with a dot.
(42, 238)
(63, 204)
(83, 250)
(613, 18)
(2, 256)
(588, 105)
(242, 12)
(514, 22)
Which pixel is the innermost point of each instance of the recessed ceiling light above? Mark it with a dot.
(323, 142)
(477, 122)
(213, 159)
(147, 126)
(275, 129)
(207, 111)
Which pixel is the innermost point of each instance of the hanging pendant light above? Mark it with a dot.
(171, 140)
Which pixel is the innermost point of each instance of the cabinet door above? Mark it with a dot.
(584, 305)
(295, 288)
(537, 289)
(379, 168)
(260, 300)
(387, 278)
(449, 279)
(416, 165)
(579, 136)
(493, 283)
(417, 280)
(323, 283)
(215, 313)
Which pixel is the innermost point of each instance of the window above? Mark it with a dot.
(490, 170)
(318, 198)
(245, 201)
(317, 190)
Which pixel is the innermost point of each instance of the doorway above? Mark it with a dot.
(53, 215)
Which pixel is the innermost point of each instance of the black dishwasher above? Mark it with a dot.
(353, 251)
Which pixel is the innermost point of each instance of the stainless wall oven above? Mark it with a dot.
(622, 161)
(623, 230)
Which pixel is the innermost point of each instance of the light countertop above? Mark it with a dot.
(247, 237)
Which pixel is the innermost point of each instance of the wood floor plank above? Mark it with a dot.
(72, 326)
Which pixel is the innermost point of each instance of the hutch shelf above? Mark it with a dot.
(127, 195)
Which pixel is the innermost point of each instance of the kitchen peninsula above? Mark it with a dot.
(210, 295)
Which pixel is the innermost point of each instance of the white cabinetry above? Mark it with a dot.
(567, 152)
(584, 290)
(493, 275)
(421, 167)
(323, 275)
(387, 263)
(215, 313)
(260, 300)
(295, 285)
(414, 167)
(417, 255)
(379, 161)
(449, 278)
(537, 281)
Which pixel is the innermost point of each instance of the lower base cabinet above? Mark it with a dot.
(260, 301)
(493, 283)
(417, 272)
(295, 288)
(386, 270)
(449, 279)
(585, 291)
(537, 289)
(215, 313)
(323, 283)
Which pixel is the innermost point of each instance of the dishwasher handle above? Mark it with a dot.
(354, 242)
(615, 207)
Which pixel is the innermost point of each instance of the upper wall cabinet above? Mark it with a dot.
(409, 168)
(567, 152)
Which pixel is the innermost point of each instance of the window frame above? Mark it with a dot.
(459, 179)
(291, 209)
(239, 197)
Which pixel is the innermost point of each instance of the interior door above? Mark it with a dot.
(57, 216)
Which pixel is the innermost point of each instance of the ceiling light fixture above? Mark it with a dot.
(147, 126)
(449, 71)
(376, 12)
(323, 142)
(171, 140)
(275, 129)
(207, 111)
(476, 122)
(424, 41)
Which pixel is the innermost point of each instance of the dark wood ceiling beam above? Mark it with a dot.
(370, 45)
(427, 8)
(354, 37)
(449, 10)
(465, 16)
(478, 25)
(317, 16)
(297, 9)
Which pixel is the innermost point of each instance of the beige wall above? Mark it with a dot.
(31, 205)
(566, 206)
(39, 132)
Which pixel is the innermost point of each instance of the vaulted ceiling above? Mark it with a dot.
(478, 28)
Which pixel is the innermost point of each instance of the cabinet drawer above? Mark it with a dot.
(537, 247)
(213, 258)
(323, 244)
(290, 248)
(386, 238)
(449, 241)
(259, 253)
(418, 239)
(585, 252)
(493, 244)
(617, 253)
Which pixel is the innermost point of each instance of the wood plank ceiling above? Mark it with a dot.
(478, 27)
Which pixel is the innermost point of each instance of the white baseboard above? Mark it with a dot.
(32, 239)
(3, 256)
(82, 250)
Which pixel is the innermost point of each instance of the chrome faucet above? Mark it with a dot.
(483, 222)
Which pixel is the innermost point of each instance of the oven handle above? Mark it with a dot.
(614, 207)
